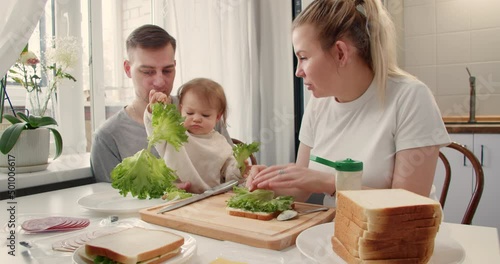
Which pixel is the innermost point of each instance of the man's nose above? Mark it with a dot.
(158, 80)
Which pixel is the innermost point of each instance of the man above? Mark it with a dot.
(151, 65)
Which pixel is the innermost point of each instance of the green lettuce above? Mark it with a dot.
(259, 200)
(143, 175)
(167, 125)
(242, 152)
(104, 260)
(175, 194)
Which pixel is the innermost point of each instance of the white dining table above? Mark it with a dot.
(481, 244)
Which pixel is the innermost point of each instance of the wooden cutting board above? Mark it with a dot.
(209, 218)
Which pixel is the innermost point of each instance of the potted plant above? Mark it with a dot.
(27, 140)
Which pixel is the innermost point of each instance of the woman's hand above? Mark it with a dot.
(254, 170)
(293, 176)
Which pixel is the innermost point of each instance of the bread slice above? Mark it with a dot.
(249, 214)
(390, 219)
(136, 244)
(340, 250)
(374, 227)
(371, 205)
(380, 249)
(344, 226)
(356, 241)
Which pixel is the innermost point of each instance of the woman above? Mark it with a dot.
(363, 106)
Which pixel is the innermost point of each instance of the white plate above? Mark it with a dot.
(114, 202)
(187, 251)
(315, 244)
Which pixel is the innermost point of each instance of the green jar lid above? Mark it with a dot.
(340, 165)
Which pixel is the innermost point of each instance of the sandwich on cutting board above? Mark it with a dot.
(259, 204)
(385, 226)
(133, 245)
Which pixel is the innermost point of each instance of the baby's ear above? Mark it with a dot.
(219, 116)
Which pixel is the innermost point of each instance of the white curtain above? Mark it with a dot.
(245, 45)
(17, 22)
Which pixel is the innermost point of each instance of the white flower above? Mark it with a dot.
(28, 58)
(63, 52)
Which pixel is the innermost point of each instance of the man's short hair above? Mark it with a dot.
(149, 37)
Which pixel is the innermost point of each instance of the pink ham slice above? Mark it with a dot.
(54, 224)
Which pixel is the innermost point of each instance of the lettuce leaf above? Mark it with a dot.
(242, 152)
(174, 193)
(143, 175)
(167, 125)
(259, 200)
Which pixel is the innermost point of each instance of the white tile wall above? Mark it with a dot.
(415, 25)
(452, 79)
(453, 48)
(485, 44)
(487, 80)
(485, 14)
(442, 38)
(452, 16)
(420, 50)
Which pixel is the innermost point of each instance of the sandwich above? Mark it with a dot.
(385, 226)
(259, 204)
(133, 245)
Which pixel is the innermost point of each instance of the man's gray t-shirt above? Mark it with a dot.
(121, 137)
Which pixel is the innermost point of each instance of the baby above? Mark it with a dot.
(206, 160)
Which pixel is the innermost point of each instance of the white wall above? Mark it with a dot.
(442, 38)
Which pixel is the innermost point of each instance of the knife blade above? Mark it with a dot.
(210, 192)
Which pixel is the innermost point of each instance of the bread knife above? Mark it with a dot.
(210, 192)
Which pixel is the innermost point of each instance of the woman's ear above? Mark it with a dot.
(340, 51)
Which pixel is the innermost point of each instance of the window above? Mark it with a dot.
(101, 28)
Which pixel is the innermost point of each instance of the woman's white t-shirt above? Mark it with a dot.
(372, 130)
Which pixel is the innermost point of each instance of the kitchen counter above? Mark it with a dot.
(478, 128)
(483, 125)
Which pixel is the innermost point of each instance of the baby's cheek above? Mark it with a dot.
(187, 122)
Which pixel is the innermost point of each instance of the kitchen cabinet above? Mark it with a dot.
(486, 147)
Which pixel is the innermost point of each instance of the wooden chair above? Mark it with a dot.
(479, 182)
(253, 160)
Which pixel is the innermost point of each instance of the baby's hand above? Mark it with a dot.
(155, 97)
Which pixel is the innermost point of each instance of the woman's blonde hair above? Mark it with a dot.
(366, 23)
(208, 89)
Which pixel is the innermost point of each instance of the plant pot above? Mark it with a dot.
(30, 153)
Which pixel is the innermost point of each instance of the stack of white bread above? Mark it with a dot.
(385, 226)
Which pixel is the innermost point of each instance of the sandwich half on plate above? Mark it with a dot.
(133, 245)
(259, 204)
